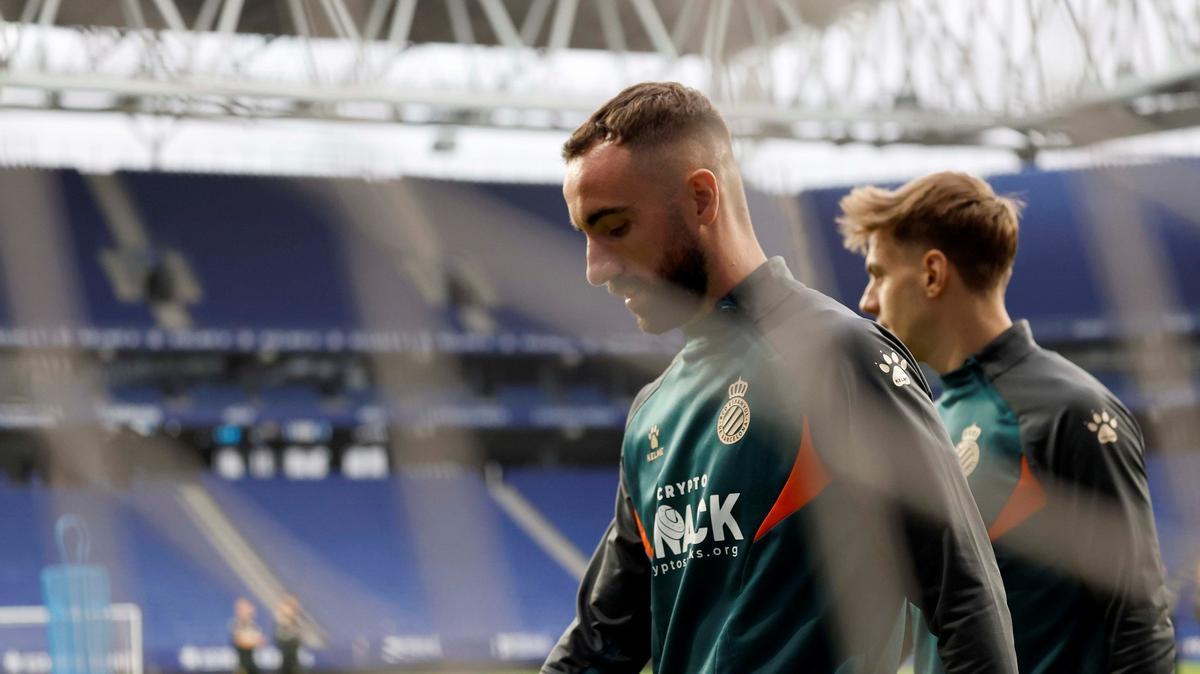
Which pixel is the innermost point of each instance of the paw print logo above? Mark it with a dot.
(897, 366)
(1104, 426)
(654, 437)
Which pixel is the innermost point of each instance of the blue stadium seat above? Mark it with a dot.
(206, 404)
(137, 395)
(293, 401)
(577, 501)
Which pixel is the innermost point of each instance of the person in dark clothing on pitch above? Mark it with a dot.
(246, 636)
(287, 635)
(1054, 460)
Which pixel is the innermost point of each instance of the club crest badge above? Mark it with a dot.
(734, 419)
(968, 449)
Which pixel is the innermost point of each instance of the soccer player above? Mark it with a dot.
(1053, 459)
(785, 484)
(1196, 594)
(287, 634)
(246, 636)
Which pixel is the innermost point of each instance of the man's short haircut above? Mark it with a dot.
(955, 213)
(649, 114)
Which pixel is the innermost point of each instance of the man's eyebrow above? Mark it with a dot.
(596, 216)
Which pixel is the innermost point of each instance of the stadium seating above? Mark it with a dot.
(579, 502)
(364, 557)
(523, 406)
(305, 265)
(1173, 479)
(285, 254)
(156, 558)
(425, 553)
(1058, 282)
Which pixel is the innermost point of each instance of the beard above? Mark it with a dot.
(677, 291)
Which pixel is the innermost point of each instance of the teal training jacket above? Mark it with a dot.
(786, 488)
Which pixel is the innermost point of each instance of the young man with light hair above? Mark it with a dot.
(785, 484)
(1053, 459)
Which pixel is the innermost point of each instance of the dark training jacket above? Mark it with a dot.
(1055, 463)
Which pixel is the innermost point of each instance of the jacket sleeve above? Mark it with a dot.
(611, 630)
(1095, 454)
(891, 449)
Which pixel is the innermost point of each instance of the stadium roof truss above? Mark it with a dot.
(1024, 75)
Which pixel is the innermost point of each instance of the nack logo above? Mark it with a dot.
(677, 534)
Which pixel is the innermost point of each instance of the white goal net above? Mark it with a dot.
(25, 647)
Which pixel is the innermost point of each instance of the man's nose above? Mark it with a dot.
(603, 264)
(868, 303)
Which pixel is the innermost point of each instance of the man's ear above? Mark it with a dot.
(705, 195)
(935, 272)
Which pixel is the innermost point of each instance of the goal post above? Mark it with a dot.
(25, 644)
